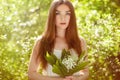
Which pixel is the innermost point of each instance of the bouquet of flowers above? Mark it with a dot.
(67, 64)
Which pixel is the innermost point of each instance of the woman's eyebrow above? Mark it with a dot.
(57, 11)
(62, 11)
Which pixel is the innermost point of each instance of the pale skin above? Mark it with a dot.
(62, 20)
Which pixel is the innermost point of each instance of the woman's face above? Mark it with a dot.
(62, 16)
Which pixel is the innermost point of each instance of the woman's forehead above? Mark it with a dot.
(62, 7)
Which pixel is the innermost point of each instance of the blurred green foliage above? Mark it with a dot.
(22, 21)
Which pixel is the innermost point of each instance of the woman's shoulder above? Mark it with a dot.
(82, 39)
(38, 39)
(83, 43)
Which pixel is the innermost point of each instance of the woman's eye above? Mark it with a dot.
(67, 13)
(57, 13)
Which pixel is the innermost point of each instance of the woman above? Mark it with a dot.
(61, 33)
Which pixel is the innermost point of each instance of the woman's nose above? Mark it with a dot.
(63, 17)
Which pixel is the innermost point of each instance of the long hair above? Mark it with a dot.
(48, 37)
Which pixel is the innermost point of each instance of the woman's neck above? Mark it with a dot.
(60, 33)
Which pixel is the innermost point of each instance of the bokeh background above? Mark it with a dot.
(22, 21)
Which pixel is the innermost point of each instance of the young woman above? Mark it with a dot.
(61, 33)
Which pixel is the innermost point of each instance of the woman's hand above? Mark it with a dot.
(68, 78)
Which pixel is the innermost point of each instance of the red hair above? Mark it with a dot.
(48, 37)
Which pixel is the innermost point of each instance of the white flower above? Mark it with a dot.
(69, 62)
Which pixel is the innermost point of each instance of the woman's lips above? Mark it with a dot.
(62, 23)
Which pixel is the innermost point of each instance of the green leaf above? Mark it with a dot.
(65, 53)
(80, 58)
(81, 66)
(63, 67)
(50, 58)
(57, 70)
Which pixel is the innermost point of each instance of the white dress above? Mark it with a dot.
(57, 53)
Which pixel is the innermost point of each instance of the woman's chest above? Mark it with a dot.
(60, 44)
